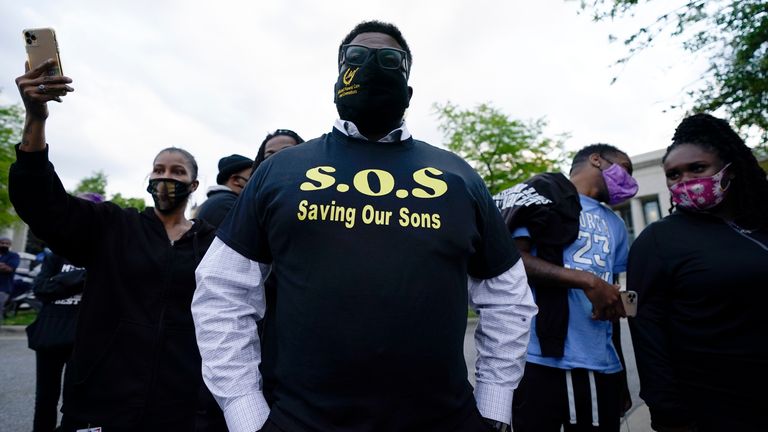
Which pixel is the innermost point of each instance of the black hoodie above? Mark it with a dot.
(135, 364)
(548, 205)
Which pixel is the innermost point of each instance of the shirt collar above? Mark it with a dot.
(218, 188)
(349, 129)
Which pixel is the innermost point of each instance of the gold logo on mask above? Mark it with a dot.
(349, 75)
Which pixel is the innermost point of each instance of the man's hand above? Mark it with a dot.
(605, 298)
(37, 88)
(5, 268)
(496, 426)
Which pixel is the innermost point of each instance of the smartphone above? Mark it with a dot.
(41, 45)
(629, 299)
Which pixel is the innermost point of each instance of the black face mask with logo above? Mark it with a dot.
(371, 97)
(168, 194)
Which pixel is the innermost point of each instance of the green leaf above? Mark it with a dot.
(11, 122)
(731, 34)
(502, 150)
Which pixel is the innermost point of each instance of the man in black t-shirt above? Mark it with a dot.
(373, 241)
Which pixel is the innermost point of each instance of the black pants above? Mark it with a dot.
(270, 426)
(543, 402)
(70, 424)
(473, 423)
(50, 364)
(209, 417)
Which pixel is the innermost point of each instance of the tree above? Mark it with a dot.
(126, 202)
(733, 34)
(503, 151)
(11, 122)
(97, 183)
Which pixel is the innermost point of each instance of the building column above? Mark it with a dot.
(638, 217)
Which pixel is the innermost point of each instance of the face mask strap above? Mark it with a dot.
(721, 173)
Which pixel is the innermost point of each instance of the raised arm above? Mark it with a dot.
(37, 88)
(68, 224)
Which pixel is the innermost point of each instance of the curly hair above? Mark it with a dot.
(749, 187)
(260, 154)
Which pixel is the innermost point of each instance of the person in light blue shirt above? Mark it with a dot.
(600, 249)
(578, 387)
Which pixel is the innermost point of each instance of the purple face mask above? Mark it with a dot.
(621, 185)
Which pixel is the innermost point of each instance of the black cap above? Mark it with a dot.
(230, 165)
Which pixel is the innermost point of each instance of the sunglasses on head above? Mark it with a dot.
(387, 58)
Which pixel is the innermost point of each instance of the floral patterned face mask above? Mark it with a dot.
(701, 193)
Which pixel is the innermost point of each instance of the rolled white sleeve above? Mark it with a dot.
(228, 302)
(506, 307)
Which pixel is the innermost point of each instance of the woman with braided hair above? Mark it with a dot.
(279, 140)
(701, 275)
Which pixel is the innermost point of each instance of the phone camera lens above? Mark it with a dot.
(33, 37)
(27, 34)
(29, 41)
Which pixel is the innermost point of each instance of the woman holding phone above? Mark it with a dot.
(701, 275)
(135, 363)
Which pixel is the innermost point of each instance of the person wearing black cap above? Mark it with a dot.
(234, 172)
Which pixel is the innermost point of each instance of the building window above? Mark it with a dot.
(625, 212)
(651, 209)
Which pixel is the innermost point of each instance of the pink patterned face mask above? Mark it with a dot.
(701, 193)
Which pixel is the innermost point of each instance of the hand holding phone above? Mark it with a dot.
(43, 80)
(629, 300)
(41, 45)
(41, 83)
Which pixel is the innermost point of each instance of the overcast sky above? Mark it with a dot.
(216, 77)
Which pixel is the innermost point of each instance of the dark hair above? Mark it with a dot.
(749, 187)
(379, 27)
(263, 148)
(601, 149)
(187, 155)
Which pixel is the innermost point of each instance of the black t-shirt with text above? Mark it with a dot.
(370, 245)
